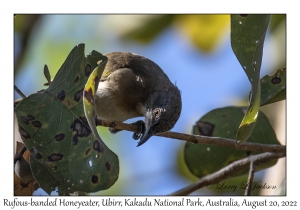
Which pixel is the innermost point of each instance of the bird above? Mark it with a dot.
(132, 86)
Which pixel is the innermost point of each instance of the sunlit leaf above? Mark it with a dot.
(224, 122)
(273, 87)
(247, 40)
(89, 91)
(204, 31)
(54, 128)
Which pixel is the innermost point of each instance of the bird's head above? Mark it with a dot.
(163, 109)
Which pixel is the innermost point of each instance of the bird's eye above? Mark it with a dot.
(157, 113)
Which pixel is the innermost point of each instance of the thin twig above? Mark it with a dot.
(20, 154)
(16, 102)
(228, 171)
(196, 139)
(250, 179)
(19, 92)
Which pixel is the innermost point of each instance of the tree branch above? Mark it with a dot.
(196, 139)
(228, 171)
(250, 178)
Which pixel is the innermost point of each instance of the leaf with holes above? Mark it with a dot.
(202, 160)
(273, 87)
(64, 152)
(247, 40)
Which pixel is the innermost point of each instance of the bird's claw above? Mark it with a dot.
(141, 125)
(97, 121)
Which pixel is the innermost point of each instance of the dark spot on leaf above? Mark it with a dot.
(35, 154)
(61, 95)
(30, 117)
(59, 137)
(107, 166)
(80, 125)
(36, 124)
(88, 95)
(55, 157)
(243, 15)
(276, 80)
(248, 153)
(87, 151)
(38, 156)
(76, 79)
(251, 110)
(224, 115)
(27, 119)
(205, 128)
(87, 70)
(96, 80)
(97, 146)
(24, 119)
(94, 179)
(24, 133)
(78, 95)
(75, 139)
(55, 167)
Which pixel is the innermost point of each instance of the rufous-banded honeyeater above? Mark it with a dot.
(132, 86)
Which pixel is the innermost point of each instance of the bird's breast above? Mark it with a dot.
(109, 104)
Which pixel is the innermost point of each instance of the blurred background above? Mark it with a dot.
(193, 50)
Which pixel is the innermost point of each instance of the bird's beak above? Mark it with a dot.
(146, 135)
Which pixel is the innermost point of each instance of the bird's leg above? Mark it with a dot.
(136, 135)
(141, 125)
(114, 130)
(111, 130)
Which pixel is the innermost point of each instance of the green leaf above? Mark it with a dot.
(54, 128)
(202, 160)
(247, 39)
(90, 89)
(273, 87)
(43, 176)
